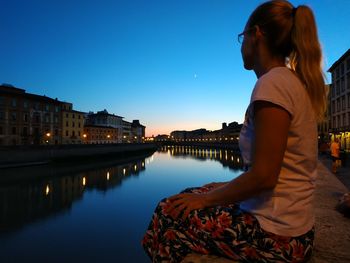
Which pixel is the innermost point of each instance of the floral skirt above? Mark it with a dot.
(224, 231)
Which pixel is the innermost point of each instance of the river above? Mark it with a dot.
(98, 212)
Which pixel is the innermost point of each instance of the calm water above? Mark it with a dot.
(98, 214)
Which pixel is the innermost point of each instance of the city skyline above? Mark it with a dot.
(174, 65)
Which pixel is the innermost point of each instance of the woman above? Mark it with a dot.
(274, 219)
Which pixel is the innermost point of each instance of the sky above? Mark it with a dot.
(172, 64)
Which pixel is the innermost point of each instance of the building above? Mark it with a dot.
(228, 133)
(325, 125)
(137, 131)
(340, 100)
(94, 134)
(105, 119)
(28, 119)
(72, 125)
(127, 135)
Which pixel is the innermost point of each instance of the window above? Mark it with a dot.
(66, 115)
(56, 109)
(25, 131)
(333, 107)
(73, 133)
(47, 107)
(13, 116)
(37, 118)
(47, 118)
(79, 124)
(1, 131)
(14, 103)
(56, 132)
(338, 122)
(67, 124)
(337, 87)
(348, 81)
(73, 116)
(2, 100)
(343, 102)
(79, 133)
(56, 119)
(338, 105)
(334, 124)
(36, 106)
(333, 90)
(25, 104)
(349, 101)
(79, 117)
(337, 72)
(1, 115)
(342, 84)
(66, 133)
(344, 119)
(342, 69)
(13, 130)
(25, 117)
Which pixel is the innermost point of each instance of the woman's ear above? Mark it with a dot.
(258, 32)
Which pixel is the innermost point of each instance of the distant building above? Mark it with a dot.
(137, 131)
(28, 119)
(228, 133)
(105, 119)
(94, 134)
(324, 127)
(127, 135)
(72, 125)
(340, 100)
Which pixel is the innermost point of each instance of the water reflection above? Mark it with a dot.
(26, 202)
(228, 158)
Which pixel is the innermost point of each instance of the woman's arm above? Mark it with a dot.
(271, 124)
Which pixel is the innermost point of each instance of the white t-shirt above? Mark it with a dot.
(287, 209)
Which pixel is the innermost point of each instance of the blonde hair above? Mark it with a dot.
(292, 33)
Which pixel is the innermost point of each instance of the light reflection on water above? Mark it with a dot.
(100, 215)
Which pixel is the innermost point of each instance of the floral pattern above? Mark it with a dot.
(223, 231)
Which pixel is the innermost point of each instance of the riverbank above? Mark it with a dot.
(332, 238)
(205, 145)
(39, 155)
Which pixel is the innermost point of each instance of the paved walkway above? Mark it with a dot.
(332, 240)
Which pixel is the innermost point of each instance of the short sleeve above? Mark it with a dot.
(277, 89)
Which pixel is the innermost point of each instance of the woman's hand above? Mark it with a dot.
(185, 203)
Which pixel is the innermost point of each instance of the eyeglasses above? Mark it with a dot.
(240, 36)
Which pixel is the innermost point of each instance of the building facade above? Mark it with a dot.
(138, 131)
(28, 119)
(72, 125)
(94, 134)
(228, 134)
(340, 100)
(105, 119)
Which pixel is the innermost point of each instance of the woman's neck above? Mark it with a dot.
(263, 69)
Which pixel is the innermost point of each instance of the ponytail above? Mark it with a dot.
(291, 33)
(306, 58)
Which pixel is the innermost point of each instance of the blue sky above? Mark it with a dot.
(172, 64)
